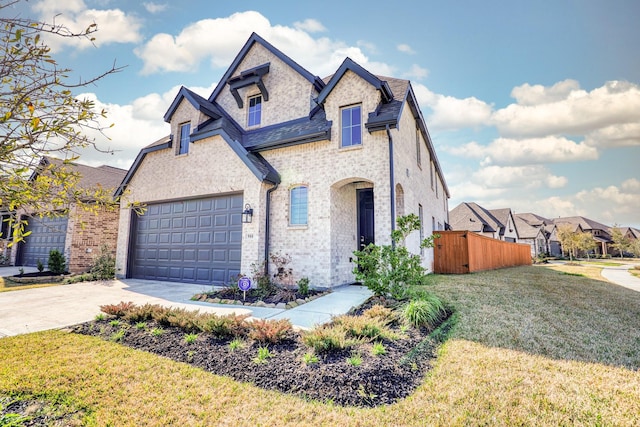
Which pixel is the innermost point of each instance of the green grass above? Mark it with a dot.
(531, 347)
(7, 285)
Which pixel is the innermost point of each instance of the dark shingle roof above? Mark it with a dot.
(305, 129)
(91, 177)
(585, 223)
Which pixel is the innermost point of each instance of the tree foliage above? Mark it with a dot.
(621, 242)
(40, 116)
(568, 239)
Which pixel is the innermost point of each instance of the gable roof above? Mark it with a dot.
(525, 230)
(198, 102)
(349, 65)
(502, 217)
(473, 217)
(585, 223)
(533, 219)
(108, 177)
(254, 38)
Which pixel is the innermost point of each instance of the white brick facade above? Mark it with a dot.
(323, 249)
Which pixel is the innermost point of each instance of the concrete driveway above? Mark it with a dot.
(38, 309)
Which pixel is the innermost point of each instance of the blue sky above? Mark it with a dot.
(531, 105)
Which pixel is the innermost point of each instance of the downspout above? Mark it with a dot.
(392, 185)
(267, 227)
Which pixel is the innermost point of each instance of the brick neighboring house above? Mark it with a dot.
(601, 233)
(78, 234)
(495, 223)
(548, 230)
(323, 166)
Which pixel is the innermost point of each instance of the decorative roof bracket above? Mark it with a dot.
(249, 77)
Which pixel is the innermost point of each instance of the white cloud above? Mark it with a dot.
(618, 135)
(155, 7)
(518, 177)
(416, 72)
(452, 113)
(505, 151)
(405, 48)
(538, 94)
(310, 26)
(631, 185)
(612, 204)
(564, 109)
(219, 40)
(114, 26)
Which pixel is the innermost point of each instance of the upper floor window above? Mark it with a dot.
(185, 130)
(255, 110)
(351, 126)
(431, 172)
(298, 206)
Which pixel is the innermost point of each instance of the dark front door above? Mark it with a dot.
(365, 218)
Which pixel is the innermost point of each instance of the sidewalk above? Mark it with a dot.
(38, 309)
(622, 277)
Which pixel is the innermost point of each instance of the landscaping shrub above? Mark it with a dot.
(303, 286)
(231, 325)
(385, 314)
(424, 312)
(118, 310)
(269, 331)
(326, 338)
(104, 266)
(364, 327)
(388, 270)
(57, 263)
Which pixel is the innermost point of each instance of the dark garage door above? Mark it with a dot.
(189, 241)
(46, 234)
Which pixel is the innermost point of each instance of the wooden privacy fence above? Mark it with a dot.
(458, 252)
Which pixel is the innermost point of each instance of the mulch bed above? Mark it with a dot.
(378, 380)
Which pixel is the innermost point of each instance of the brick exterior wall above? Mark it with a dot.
(87, 232)
(323, 249)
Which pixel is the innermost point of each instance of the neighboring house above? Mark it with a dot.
(533, 236)
(277, 160)
(548, 230)
(78, 234)
(495, 223)
(600, 232)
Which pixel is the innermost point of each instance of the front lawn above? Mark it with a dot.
(532, 347)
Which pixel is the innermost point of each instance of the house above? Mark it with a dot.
(601, 233)
(279, 161)
(496, 223)
(531, 235)
(548, 231)
(78, 234)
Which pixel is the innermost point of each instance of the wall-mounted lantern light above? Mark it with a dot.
(247, 214)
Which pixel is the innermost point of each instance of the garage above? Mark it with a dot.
(47, 234)
(188, 241)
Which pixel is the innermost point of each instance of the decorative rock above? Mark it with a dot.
(215, 300)
(300, 301)
(281, 305)
(292, 304)
(271, 305)
(260, 304)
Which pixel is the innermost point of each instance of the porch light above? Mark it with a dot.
(247, 214)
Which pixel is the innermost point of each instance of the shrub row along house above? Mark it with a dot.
(278, 160)
(539, 232)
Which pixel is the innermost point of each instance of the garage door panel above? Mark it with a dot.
(200, 242)
(46, 235)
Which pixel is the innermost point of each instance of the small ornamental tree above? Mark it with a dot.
(387, 270)
(568, 239)
(621, 243)
(40, 116)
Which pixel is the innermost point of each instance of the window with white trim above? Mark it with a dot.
(351, 126)
(255, 111)
(418, 147)
(298, 205)
(185, 131)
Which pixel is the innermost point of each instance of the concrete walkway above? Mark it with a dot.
(38, 309)
(620, 275)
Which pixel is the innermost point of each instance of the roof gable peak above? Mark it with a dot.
(198, 102)
(350, 65)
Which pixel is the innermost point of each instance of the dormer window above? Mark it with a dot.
(255, 111)
(185, 131)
